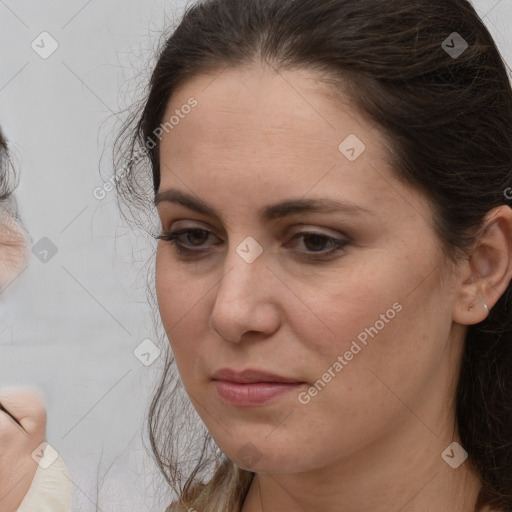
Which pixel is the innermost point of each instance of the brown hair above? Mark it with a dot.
(14, 238)
(6, 173)
(449, 122)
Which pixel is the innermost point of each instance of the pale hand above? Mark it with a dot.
(18, 441)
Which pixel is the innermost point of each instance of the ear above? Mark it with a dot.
(488, 272)
(14, 248)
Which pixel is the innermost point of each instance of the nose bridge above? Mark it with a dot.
(246, 269)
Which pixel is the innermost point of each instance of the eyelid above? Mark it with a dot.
(175, 225)
(308, 228)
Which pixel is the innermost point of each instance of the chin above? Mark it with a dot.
(280, 455)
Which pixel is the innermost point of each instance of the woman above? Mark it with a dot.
(334, 265)
(373, 371)
(26, 485)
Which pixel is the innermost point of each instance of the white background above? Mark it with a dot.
(69, 326)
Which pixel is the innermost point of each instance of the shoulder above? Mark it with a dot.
(51, 489)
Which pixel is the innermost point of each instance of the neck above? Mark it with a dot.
(415, 480)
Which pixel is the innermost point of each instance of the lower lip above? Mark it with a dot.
(252, 394)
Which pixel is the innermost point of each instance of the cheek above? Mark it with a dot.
(14, 250)
(351, 402)
(387, 318)
(380, 290)
(182, 302)
(351, 302)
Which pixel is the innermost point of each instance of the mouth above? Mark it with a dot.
(252, 388)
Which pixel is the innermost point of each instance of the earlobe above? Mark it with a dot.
(482, 303)
(471, 311)
(489, 268)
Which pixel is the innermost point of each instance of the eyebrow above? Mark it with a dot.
(275, 211)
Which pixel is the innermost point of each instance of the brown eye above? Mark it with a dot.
(316, 243)
(196, 235)
(184, 240)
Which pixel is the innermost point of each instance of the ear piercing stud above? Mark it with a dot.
(470, 307)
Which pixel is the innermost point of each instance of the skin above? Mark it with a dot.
(372, 438)
(18, 439)
(14, 249)
(23, 427)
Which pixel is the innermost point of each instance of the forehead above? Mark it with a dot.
(266, 133)
(256, 101)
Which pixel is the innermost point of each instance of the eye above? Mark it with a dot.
(193, 242)
(313, 239)
(175, 238)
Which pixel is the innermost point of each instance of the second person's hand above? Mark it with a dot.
(22, 430)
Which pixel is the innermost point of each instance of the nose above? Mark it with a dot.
(247, 300)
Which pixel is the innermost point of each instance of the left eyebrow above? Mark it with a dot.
(324, 205)
(275, 211)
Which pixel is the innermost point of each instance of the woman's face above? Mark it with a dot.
(353, 301)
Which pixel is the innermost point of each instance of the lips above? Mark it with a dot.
(252, 388)
(250, 376)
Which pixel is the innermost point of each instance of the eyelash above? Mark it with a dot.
(174, 236)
